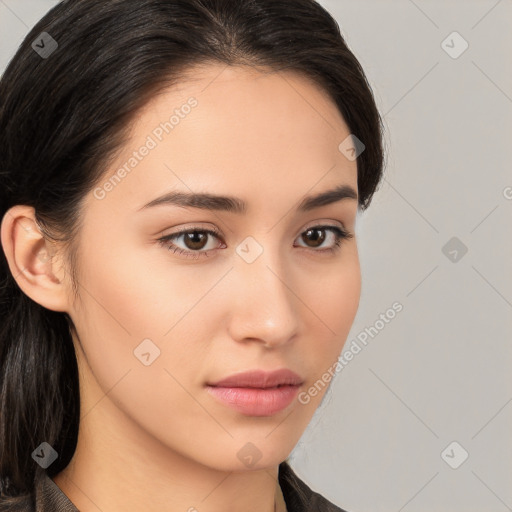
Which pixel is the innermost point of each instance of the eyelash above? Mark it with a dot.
(164, 241)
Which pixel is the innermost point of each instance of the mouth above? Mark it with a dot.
(260, 379)
(253, 401)
(257, 392)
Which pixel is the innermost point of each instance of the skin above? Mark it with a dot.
(270, 139)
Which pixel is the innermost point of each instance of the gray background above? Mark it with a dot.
(439, 371)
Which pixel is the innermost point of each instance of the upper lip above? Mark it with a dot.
(260, 379)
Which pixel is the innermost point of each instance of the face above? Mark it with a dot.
(272, 285)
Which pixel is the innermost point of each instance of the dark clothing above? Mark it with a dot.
(297, 495)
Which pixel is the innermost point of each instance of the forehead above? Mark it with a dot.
(236, 91)
(252, 131)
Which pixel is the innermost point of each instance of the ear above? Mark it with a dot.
(33, 260)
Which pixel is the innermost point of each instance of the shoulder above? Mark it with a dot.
(299, 497)
(47, 497)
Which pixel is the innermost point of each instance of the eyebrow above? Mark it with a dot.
(236, 205)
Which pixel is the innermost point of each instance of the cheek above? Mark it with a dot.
(129, 296)
(333, 303)
(334, 295)
(130, 303)
(343, 307)
(141, 292)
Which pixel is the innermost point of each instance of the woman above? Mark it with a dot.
(180, 182)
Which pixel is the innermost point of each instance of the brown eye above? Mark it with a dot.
(316, 235)
(194, 240)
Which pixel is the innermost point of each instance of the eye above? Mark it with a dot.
(195, 240)
(316, 234)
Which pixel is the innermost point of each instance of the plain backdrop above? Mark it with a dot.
(420, 418)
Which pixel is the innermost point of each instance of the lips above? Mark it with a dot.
(260, 379)
(257, 392)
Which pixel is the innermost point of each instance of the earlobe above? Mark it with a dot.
(32, 260)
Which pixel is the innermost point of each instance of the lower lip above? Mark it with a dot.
(255, 401)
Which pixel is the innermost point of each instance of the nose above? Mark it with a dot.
(264, 305)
